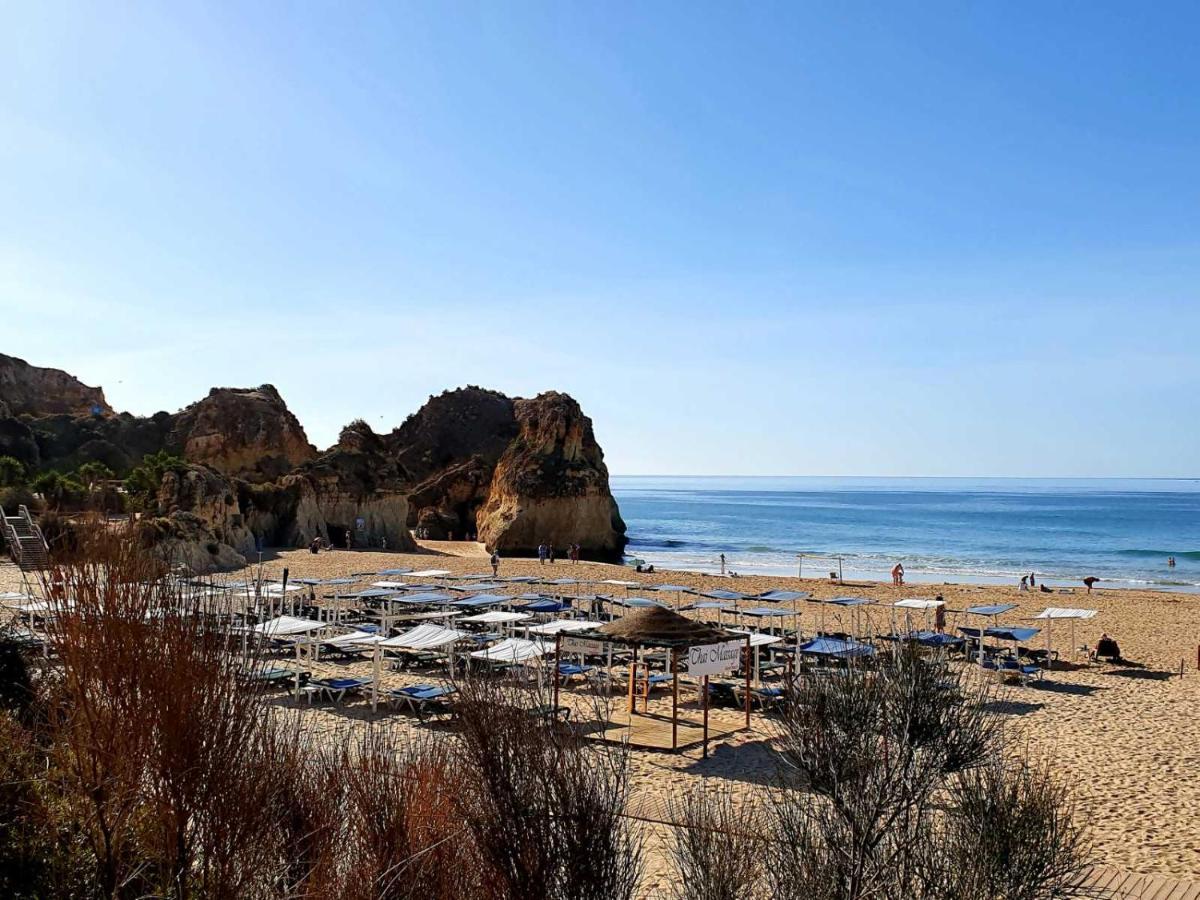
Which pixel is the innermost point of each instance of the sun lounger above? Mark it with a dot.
(721, 693)
(336, 688)
(764, 698)
(571, 670)
(1012, 668)
(424, 699)
(272, 677)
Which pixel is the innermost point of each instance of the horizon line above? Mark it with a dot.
(998, 477)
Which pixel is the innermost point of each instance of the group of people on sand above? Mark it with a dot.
(546, 552)
(1029, 583)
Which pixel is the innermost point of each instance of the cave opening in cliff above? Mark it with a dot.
(337, 535)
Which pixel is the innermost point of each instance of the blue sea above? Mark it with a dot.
(990, 530)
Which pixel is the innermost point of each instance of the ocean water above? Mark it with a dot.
(989, 530)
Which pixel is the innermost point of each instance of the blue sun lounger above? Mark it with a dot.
(573, 670)
(336, 688)
(424, 698)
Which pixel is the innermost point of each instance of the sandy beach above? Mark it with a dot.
(1127, 740)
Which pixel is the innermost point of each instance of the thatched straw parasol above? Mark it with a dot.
(659, 627)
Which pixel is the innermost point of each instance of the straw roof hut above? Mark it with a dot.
(659, 627)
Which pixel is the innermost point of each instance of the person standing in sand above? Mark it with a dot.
(722, 563)
(349, 539)
(542, 553)
(898, 574)
(495, 563)
(1089, 581)
(550, 553)
(939, 617)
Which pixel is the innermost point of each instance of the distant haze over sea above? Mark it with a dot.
(993, 530)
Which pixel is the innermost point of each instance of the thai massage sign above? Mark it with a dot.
(583, 645)
(714, 659)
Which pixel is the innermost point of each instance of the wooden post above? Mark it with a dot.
(705, 751)
(557, 657)
(632, 682)
(747, 681)
(674, 703)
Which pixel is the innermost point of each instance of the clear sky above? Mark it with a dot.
(889, 239)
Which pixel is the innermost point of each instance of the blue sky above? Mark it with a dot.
(921, 239)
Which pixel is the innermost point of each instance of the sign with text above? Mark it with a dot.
(583, 645)
(714, 659)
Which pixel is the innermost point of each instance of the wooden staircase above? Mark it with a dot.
(25, 541)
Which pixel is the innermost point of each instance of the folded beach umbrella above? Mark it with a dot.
(426, 598)
(393, 572)
(429, 573)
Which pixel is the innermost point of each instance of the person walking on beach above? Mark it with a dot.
(722, 563)
(349, 539)
(575, 548)
(550, 553)
(495, 563)
(1032, 582)
(542, 553)
(898, 574)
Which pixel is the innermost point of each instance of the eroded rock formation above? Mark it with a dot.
(249, 433)
(37, 391)
(470, 461)
(551, 485)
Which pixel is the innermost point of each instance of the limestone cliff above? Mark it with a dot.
(446, 452)
(470, 461)
(551, 485)
(199, 524)
(36, 391)
(249, 433)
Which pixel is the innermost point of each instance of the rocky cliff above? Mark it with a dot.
(551, 485)
(470, 461)
(33, 390)
(249, 433)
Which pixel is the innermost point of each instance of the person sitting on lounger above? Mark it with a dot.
(1106, 648)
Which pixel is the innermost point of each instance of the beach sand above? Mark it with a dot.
(1126, 740)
